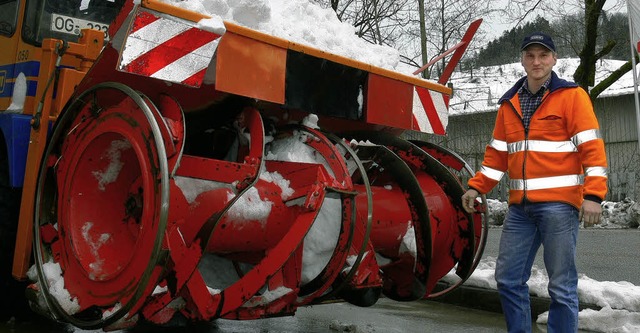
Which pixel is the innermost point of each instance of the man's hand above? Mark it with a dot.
(469, 199)
(590, 213)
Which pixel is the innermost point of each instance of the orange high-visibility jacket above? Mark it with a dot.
(561, 156)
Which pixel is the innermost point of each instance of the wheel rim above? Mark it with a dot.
(109, 232)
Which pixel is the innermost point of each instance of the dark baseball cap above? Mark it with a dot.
(538, 38)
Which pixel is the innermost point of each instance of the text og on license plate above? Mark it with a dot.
(73, 25)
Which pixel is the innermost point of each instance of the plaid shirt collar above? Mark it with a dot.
(525, 88)
(529, 102)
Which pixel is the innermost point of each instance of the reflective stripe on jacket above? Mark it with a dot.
(560, 158)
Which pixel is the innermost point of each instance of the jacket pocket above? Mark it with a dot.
(514, 131)
(547, 122)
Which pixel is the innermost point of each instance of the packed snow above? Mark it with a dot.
(95, 244)
(53, 274)
(249, 207)
(112, 155)
(615, 215)
(268, 297)
(19, 94)
(322, 238)
(620, 301)
(191, 187)
(283, 183)
(299, 21)
(409, 242)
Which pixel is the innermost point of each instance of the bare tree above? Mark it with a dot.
(376, 21)
(420, 31)
(587, 44)
(591, 52)
(423, 35)
(444, 23)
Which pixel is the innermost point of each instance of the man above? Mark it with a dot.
(547, 139)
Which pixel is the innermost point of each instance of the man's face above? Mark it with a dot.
(538, 61)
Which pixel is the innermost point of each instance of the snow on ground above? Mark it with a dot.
(615, 215)
(620, 301)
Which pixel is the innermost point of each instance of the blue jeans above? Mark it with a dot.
(553, 225)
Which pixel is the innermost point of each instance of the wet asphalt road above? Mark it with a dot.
(385, 317)
(604, 255)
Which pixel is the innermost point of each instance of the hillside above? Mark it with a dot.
(479, 91)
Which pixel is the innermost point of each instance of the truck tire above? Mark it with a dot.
(13, 302)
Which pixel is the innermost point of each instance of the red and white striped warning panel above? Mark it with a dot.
(430, 111)
(167, 49)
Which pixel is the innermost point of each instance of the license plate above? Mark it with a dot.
(73, 25)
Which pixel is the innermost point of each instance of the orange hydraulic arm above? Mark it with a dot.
(87, 50)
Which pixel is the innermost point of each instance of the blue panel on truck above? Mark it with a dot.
(16, 129)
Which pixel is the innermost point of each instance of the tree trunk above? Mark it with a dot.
(443, 35)
(423, 37)
(612, 78)
(586, 71)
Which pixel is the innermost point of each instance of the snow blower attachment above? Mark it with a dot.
(195, 181)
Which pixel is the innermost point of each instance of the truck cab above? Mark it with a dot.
(24, 25)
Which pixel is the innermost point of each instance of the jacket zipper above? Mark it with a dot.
(526, 135)
(526, 144)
